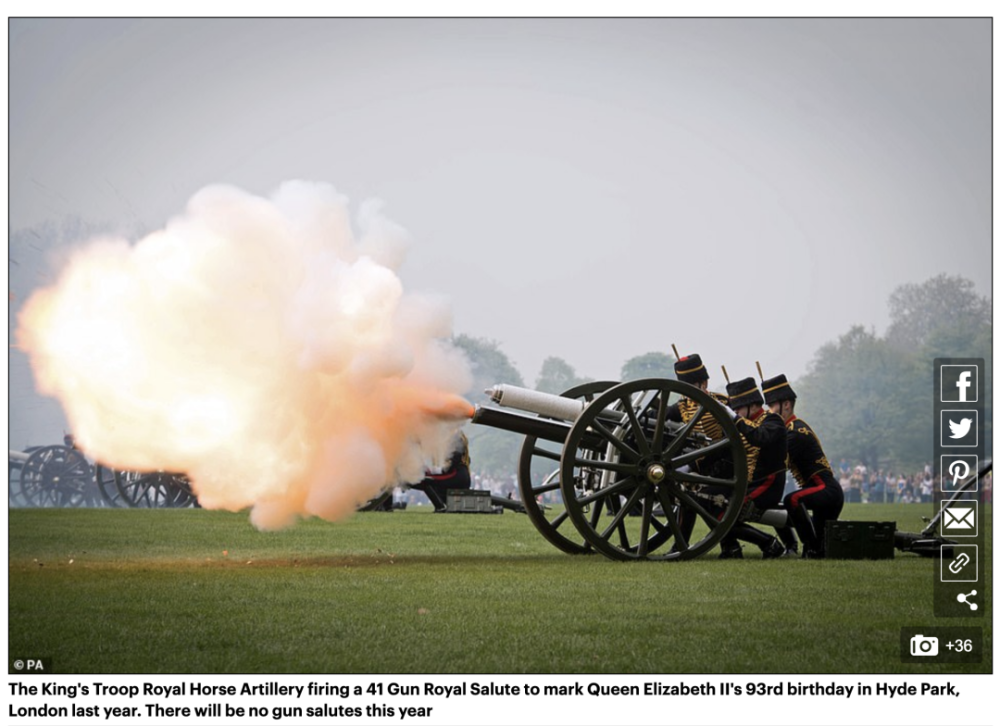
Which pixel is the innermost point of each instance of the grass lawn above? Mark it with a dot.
(193, 591)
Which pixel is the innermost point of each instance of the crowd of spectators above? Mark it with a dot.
(883, 486)
(500, 486)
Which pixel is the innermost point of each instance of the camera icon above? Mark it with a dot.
(923, 645)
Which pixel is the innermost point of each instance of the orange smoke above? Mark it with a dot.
(260, 347)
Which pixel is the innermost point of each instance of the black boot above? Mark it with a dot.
(769, 546)
(804, 526)
(774, 550)
(731, 553)
(787, 537)
(731, 549)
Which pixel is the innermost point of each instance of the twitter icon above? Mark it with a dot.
(960, 428)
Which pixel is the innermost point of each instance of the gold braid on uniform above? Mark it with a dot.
(752, 451)
(822, 461)
(711, 428)
(707, 424)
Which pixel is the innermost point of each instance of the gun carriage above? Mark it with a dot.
(625, 473)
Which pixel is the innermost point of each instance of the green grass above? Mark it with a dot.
(151, 591)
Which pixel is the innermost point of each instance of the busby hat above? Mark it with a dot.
(744, 393)
(690, 369)
(777, 389)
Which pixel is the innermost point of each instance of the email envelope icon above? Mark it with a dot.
(960, 519)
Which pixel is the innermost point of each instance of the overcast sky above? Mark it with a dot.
(591, 189)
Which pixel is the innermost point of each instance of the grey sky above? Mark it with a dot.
(593, 189)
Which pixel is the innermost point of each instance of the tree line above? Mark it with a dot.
(869, 397)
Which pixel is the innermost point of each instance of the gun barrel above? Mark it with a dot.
(541, 428)
(543, 404)
(520, 423)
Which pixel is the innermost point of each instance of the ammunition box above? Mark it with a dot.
(470, 501)
(860, 540)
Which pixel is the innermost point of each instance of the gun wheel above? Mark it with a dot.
(538, 476)
(156, 489)
(105, 478)
(56, 476)
(628, 498)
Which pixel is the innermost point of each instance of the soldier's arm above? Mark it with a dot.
(797, 445)
(770, 430)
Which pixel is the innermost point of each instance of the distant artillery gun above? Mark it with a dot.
(51, 476)
(156, 489)
(927, 542)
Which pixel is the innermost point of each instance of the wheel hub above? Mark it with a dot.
(656, 473)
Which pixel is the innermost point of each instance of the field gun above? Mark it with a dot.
(50, 476)
(927, 542)
(626, 474)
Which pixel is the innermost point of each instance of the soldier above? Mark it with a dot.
(690, 369)
(818, 490)
(455, 475)
(764, 437)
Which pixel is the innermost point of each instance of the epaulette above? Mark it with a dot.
(803, 427)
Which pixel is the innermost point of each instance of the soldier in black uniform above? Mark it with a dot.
(819, 489)
(453, 476)
(690, 369)
(764, 437)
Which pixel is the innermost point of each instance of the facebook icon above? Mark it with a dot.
(959, 384)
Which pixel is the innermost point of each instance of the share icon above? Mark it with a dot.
(963, 597)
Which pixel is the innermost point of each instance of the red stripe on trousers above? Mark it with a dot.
(811, 490)
(763, 487)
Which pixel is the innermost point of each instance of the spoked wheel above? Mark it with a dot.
(105, 477)
(626, 494)
(156, 489)
(538, 475)
(56, 476)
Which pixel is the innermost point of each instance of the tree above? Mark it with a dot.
(490, 365)
(942, 317)
(870, 398)
(557, 376)
(918, 310)
(648, 365)
(962, 342)
(850, 396)
(491, 451)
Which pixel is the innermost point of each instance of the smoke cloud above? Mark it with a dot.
(257, 345)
